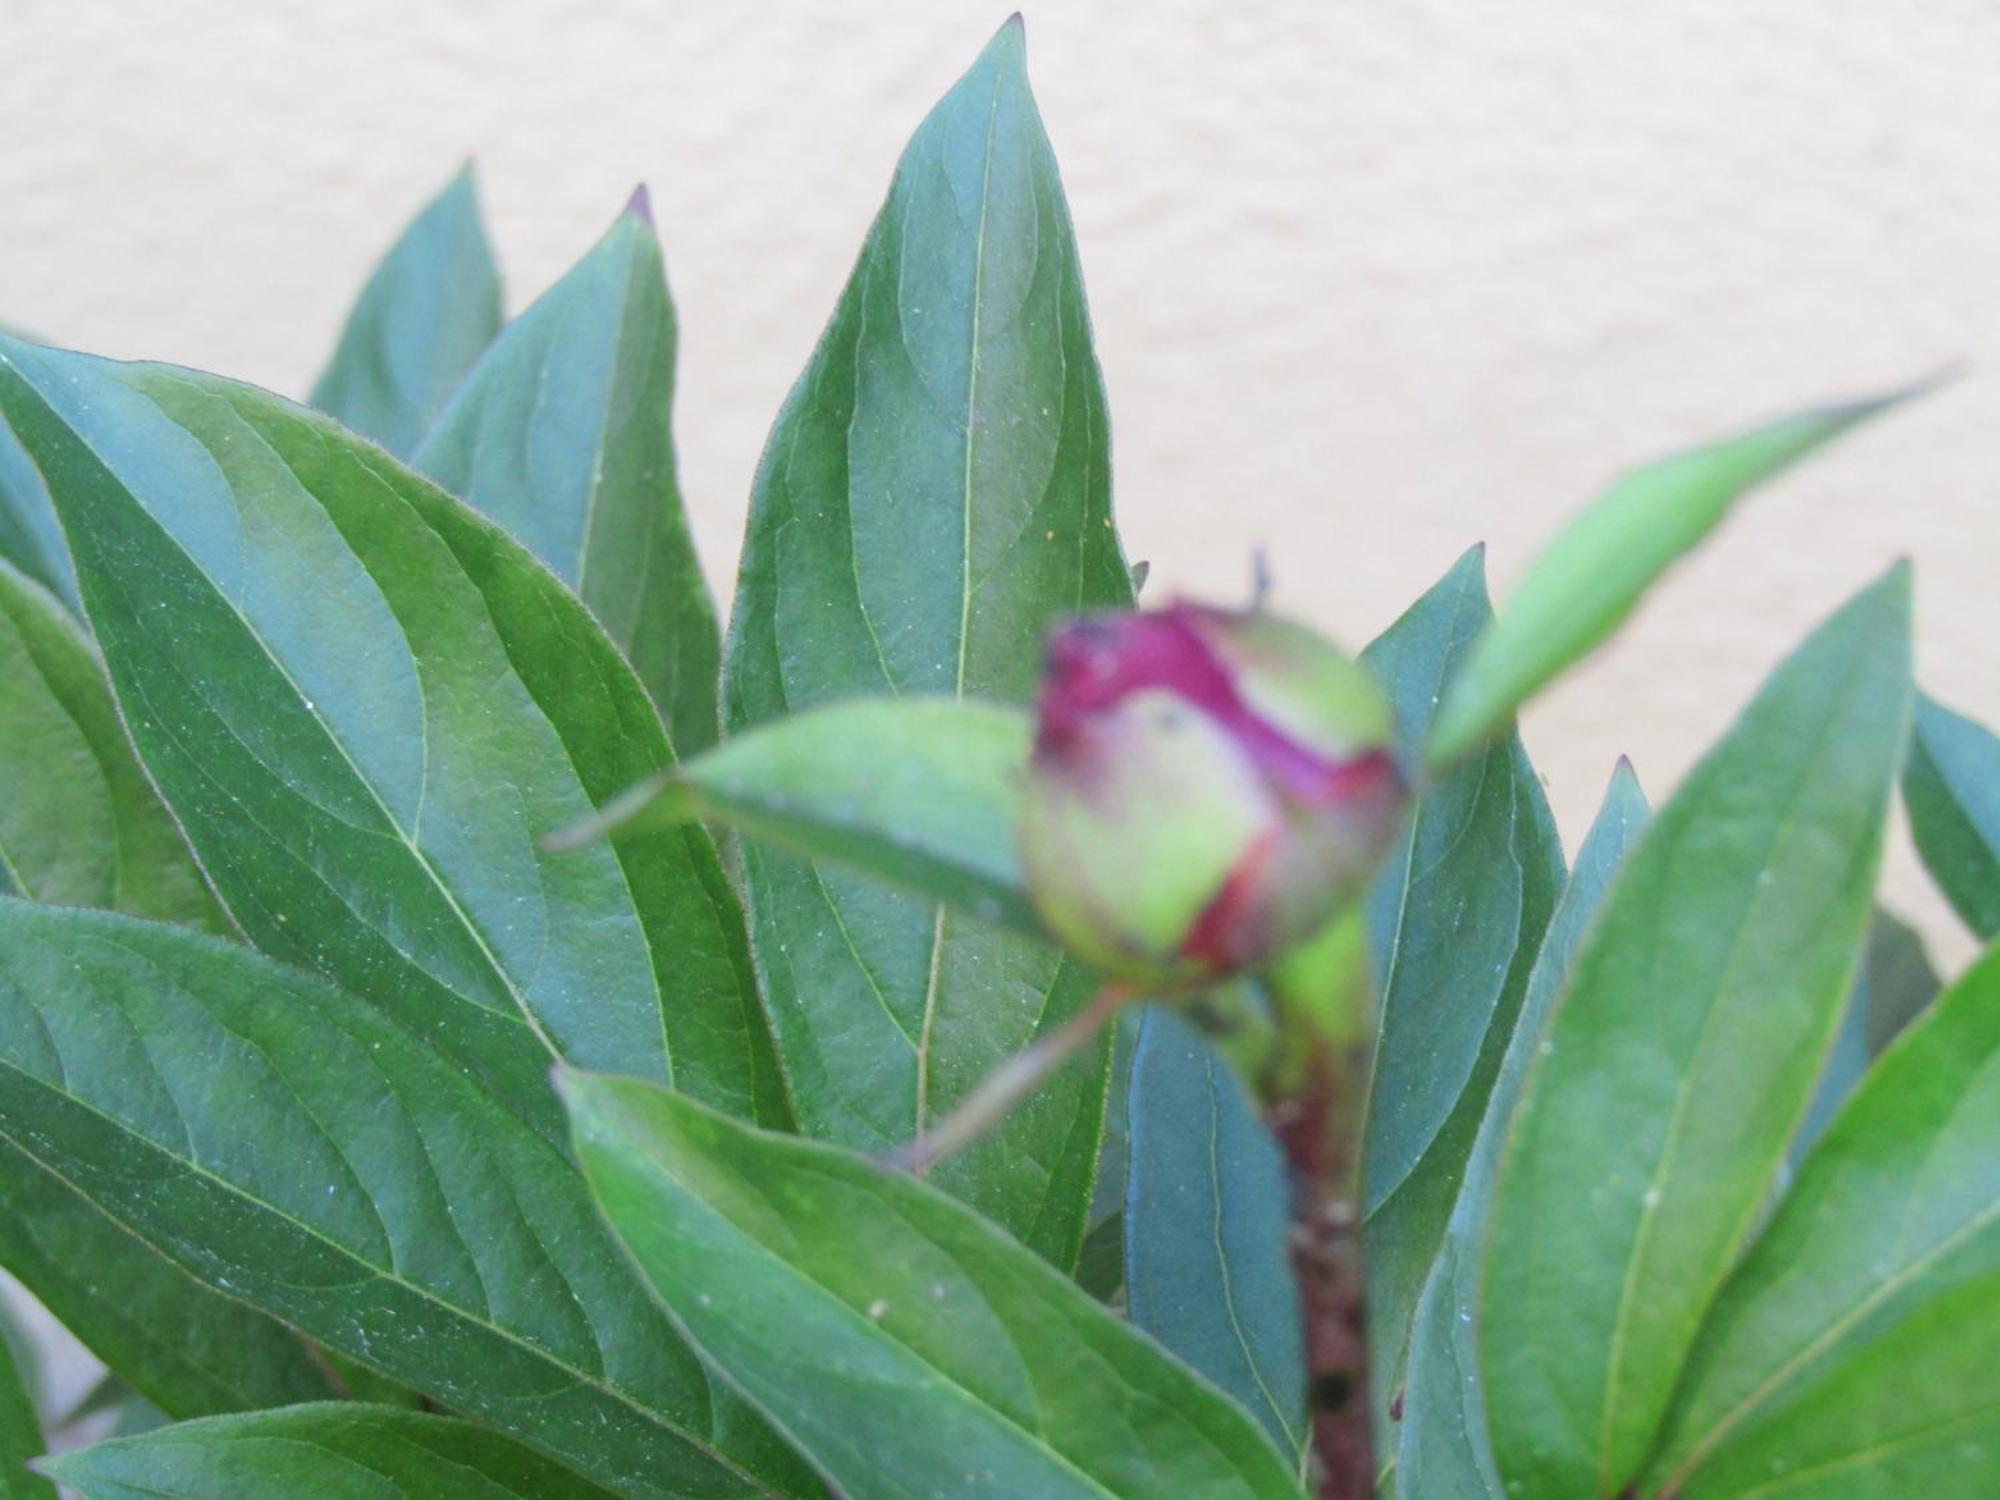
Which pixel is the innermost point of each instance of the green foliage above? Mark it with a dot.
(363, 768)
(431, 307)
(907, 1345)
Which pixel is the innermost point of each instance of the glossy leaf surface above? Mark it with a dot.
(370, 709)
(420, 323)
(290, 1145)
(333, 1452)
(1440, 1443)
(1597, 568)
(905, 1345)
(1951, 788)
(1454, 923)
(1207, 1220)
(921, 793)
(935, 493)
(563, 434)
(1682, 1056)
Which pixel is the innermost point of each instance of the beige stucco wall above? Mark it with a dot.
(1373, 279)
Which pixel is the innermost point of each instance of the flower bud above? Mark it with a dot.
(1207, 789)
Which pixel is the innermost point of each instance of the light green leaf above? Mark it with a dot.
(30, 536)
(20, 1436)
(1951, 787)
(290, 1145)
(903, 1343)
(369, 709)
(79, 823)
(343, 1451)
(935, 493)
(922, 793)
(1454, 921)
(562, 433)
(421, 321)
(1596, 569)
(1208, 1217)
(1440, 1443)
(1683, 1054)
(1856, 1339)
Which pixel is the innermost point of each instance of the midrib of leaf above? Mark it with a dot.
(597, 448)
(874, 1330)
(1650, 1200)
(1236, 1329)
(965, 590)
(1836, 1328)
(369, 1271)
(1874, 1452)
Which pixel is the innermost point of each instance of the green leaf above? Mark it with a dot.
(1895, 982)
(562, 433)
(81, 826)
(1857, 1336)
(902, 1342)
(427, 312)
(935, 493)
(1596, 569)
(922, 793)
(189, 1350)
(1951, 787)
(290, 1145)
(30, 536)
(20, 1436)
(1454, 922)
(342, 1451)
(370, 708)
(1683, 1054)
(1441, 1445)
(1207, 1221)
(79, 823)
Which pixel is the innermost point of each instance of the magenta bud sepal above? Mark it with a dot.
(1208, 787)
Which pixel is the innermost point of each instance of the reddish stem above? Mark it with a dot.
(1316, 1127)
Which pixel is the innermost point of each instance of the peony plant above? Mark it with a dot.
(471, 1026)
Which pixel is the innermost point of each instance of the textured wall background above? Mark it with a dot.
(1371, 280)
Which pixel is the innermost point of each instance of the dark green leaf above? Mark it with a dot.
(923, 793)
(1854, 1345)
(20, 1436)
(79, 823)
(1596, 569)
(1951, 787)
(81, 826)
(1441, 1446)
(341, 1451)
(189, 1350)
(1682, 1056)
(290, 1145)
(562, 433)
(1895, 982)
(904, 1344)
(370, 707)
(1207, 1221)
(30, 537)
(936, 491)
(1454, 922)
(426, 313)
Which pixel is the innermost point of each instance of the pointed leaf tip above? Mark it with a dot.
(640, 206)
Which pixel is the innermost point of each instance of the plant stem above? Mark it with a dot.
(1318, 1128)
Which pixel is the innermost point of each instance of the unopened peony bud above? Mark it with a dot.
(1207, 789)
